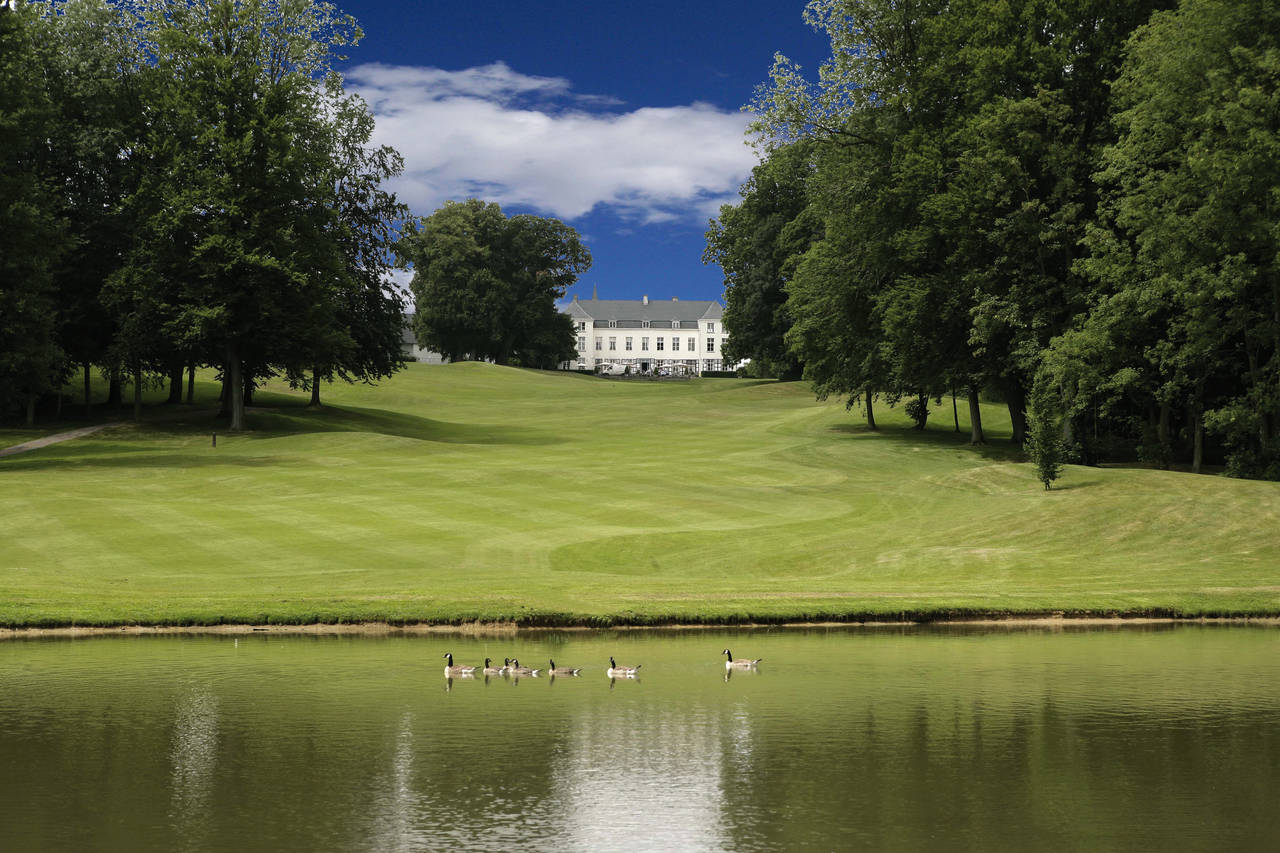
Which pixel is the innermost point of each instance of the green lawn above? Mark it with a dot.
(479, 492)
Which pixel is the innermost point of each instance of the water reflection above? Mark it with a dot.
(396, 815)
(194, 756)
(620, 771)
(744, 671)
(912, 738)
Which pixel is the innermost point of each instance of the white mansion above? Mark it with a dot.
(688, 337)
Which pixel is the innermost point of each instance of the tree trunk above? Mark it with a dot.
(1197, 453)
(31, 409)
(224, 395)
(1267, 428)
(191, 383)
(1162, 435)
(137, 393)
(871, 415)
(175, 383)
(955, 412)
(315, 388)
(115, 391)
(235, 388)
(248, 391)
(88, 409)
(1016, 398)
(975, 418)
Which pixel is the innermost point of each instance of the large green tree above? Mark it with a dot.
(1022, 197)
(32, 235)
(1187, 249)
(354, 327)
(486, 285)
(880, 115)
(94, 76)
(957, 141)
(757, 243)
(261, 235)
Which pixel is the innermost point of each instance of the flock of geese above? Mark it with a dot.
(513, 667)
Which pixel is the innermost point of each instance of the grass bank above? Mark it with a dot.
(472, 492)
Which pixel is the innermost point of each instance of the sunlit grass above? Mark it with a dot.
(479, 492)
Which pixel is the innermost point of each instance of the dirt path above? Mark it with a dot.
(54, 439)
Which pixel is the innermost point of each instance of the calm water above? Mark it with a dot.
(885, 738)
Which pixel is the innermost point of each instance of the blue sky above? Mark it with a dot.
(623, 120)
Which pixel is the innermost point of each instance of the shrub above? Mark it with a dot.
(1045, 447)
(918, 410)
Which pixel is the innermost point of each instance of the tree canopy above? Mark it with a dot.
(1186, 250)
(33, 236)
(758, 243)
(1067, 205)
(486, 285)
(217, 198)
(955, 146)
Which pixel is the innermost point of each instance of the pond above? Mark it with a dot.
(884, 738)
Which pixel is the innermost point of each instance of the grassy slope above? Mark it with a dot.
(473, 491)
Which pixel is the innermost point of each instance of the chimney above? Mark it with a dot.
(575, 297)
(593, 292)
(645, 299)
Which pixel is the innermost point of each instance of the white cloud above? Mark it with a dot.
(399, 278)
(512, 138)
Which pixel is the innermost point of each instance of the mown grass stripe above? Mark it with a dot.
(474, 491)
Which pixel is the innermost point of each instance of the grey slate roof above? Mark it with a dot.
(659, 312)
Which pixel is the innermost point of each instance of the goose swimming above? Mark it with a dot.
(616, 671)
(451, 670)
(740, 662)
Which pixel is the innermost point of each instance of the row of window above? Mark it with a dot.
(659, 363)
(644, 344)
(675, 324)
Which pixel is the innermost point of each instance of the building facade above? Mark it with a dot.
(410, 348)
(648, 336)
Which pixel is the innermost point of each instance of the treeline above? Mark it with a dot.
(186, 183)
(1070, 206)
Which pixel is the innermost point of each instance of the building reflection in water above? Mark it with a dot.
(642, 779)
(193, 757)
(397, 813)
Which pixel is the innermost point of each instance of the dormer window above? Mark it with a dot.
(644, 324)
(675, 324)
(613, 324)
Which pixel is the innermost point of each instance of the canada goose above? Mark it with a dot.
(743, 662)
(494, 670)
(562, 670)
(616, 671)
(517, 669)
(451, 670)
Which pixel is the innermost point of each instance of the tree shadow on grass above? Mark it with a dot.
(274, 422)
(1067, 485)
(998, 448)
(295, 420)
(741, 385)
